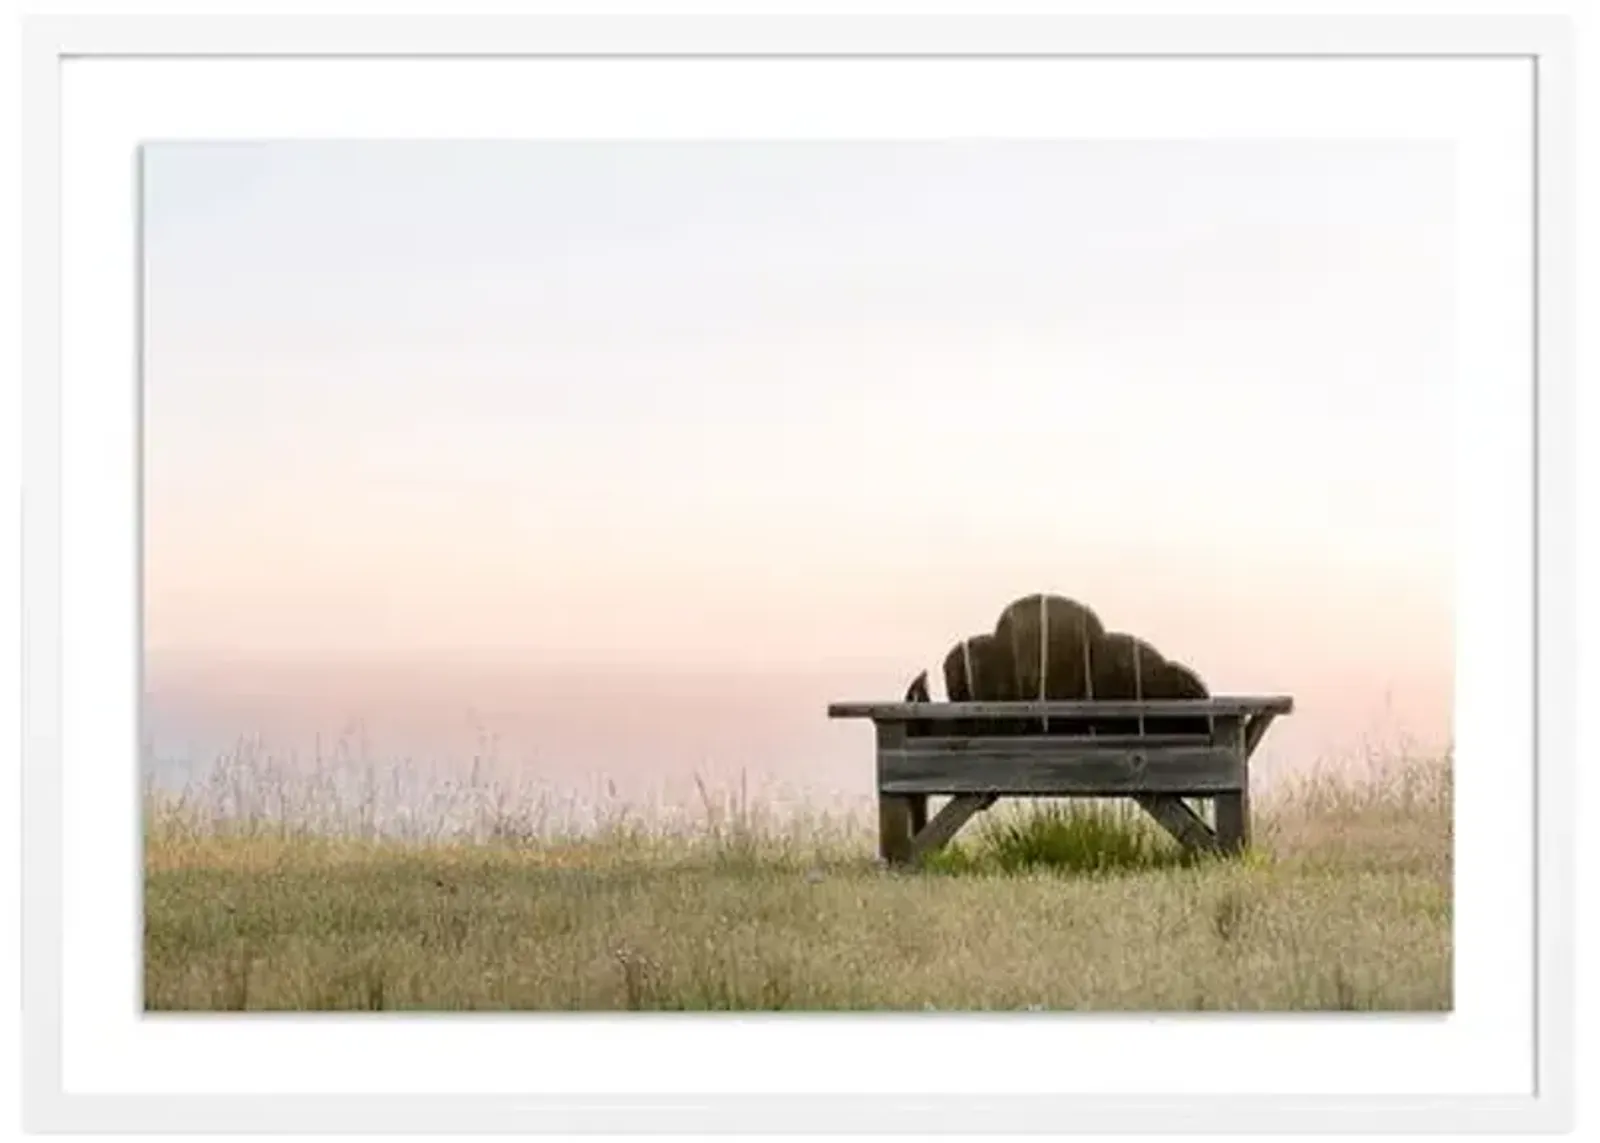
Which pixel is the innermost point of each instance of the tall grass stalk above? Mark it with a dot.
(264, 890)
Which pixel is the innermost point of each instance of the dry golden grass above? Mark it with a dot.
(1345, 903)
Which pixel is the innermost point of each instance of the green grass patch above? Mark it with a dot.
(1075, 837)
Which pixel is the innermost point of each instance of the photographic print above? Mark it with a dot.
(797, 575)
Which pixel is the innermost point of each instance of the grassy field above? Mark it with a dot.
(1345, 903)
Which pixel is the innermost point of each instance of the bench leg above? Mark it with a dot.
(1233, 807)
(947, 822)
(894, 828)
(1175, 816)
(1233, 821)
(919, 812)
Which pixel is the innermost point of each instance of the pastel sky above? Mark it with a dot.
(776, 406)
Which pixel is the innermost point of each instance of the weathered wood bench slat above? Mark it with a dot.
(1042, 767)
(1048, 744)
(1223, 707)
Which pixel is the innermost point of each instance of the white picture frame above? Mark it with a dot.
(68, 644)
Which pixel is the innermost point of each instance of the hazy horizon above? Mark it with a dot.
(428, 424)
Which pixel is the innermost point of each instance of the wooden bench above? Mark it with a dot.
(928, 748)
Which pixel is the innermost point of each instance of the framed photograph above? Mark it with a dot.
(772, 573)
